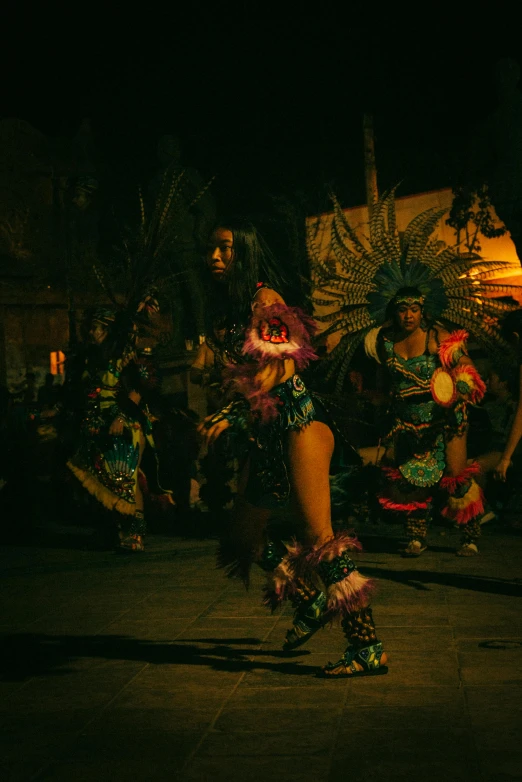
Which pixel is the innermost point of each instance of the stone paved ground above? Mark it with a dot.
(154, 667)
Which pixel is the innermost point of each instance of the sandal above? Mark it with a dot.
(414, 548)
(467, 550)
(130, 543)
(308, 619)
(368, 657)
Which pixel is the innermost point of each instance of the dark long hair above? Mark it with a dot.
(253, 262)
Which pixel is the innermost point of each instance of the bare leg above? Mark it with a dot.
(310, 452)
(309, 455)
(456, 455)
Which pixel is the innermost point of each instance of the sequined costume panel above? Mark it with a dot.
(107, 465)
(418, 426)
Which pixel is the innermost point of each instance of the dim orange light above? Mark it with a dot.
(57, 362)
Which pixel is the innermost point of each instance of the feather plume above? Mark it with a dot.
(362, 275)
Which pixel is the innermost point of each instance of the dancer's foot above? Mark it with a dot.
(130, 543)
(308, 619)
(467, 550)
(414, 548)
(368, 661)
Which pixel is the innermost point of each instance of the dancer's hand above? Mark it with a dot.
(116, 428)
(212, 432)
(501, 469)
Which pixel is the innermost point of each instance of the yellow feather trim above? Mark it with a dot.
(100, 492)
(472, 495)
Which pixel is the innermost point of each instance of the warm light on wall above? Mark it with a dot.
(57, 362)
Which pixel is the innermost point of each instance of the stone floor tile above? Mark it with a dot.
(209, 674)
(229, 607)
(288, 720)
(416, 769)
(494, 644)
(487, 702)
(418, 639)
(408, 669)
(230, 631)
(110, 770)
(123, 746)
(166, 629)
(419, 717)
(443, 743)
(328, 640)
(256, 768)
(179, 717)
(487, 632)
(493, 667)
(499, 765)
(84, 624)
(375, 696)
(313, 696)
(409, 615)
(301, 740)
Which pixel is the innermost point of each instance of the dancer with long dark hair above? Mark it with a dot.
(267, 342)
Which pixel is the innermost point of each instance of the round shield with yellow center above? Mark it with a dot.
(443, 388)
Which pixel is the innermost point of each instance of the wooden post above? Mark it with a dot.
(370, 169)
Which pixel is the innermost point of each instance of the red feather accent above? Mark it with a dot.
(451, 483)
(463, 515)
(392, 473)
(404, 507)
(452, 348)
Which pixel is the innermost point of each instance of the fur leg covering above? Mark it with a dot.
(281, 579)
(346, 589)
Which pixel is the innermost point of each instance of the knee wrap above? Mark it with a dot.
(466, 499)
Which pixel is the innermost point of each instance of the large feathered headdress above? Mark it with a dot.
(362, 276)
(150, 257)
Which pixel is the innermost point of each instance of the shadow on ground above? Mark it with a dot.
(421, 580)
(25, 655)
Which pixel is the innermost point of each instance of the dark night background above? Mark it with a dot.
(270, 102)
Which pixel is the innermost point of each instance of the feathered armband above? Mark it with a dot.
(453, 348)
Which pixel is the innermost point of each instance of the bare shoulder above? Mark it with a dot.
(440, 333)
(264, 297)
(437, 335)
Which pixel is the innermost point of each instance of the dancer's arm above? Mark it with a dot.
(513, 439)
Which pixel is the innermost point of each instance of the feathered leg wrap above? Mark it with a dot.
(345, 588)
(466, 498)
(275, 560)
(278, 561)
